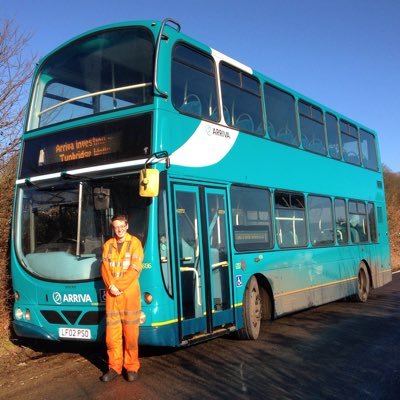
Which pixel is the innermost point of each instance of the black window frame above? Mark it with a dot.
(313, 109)
(255, 246)
(328, 135)
(344, 242)
(359, 204)
(374, 239)
(362, 133)
(240, 84)
(291, 201)
(346, 132)
(199, 69)
(320, 243)
(293, 119)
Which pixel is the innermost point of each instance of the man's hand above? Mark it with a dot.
(114, 290)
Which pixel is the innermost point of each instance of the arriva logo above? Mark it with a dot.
(71, 298)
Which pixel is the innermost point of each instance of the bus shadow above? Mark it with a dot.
(94, 352)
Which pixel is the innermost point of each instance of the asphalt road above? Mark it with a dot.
(340, 351)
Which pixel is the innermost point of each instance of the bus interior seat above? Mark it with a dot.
(192, 104)
(227, 115)
(334, 151)
(317, 147)
(285, 135)
(271, 130)
(214, 114)
(355, 237)
(289, 239)
(351, 157)
(245, 122)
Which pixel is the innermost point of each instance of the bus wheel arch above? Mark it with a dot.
(256, 307)
(363, 283)
(267, 303)
(369, 270)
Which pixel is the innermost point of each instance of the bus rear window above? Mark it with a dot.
(368, 150)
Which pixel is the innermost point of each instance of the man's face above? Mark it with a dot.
(120, 228)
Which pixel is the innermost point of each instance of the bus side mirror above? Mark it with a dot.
(149, 182)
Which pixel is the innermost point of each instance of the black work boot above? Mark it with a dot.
(132, 376)
(109, 376)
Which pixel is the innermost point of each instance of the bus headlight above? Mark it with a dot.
(16, 296)
(142, 317)
(18, 313)
(28, 315)
(148, 297)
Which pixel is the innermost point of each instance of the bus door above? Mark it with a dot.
(202, 260)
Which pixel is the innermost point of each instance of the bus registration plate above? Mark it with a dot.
(74, 333)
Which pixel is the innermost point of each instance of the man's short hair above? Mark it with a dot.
(120, 217)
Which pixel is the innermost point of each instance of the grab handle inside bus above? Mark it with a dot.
(150, 178)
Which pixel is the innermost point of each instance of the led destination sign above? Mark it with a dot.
(79, 149)
(97, 144)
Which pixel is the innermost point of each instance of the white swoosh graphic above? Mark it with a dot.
(208, 145)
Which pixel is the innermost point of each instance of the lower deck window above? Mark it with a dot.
(290, 220)
(320, 220)
(251, 218)
(358, 222)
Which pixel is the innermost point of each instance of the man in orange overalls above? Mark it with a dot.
(122, 264)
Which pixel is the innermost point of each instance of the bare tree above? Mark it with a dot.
(15, 73)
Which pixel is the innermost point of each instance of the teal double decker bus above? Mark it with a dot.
(251, 200)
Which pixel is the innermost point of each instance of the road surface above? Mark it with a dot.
(340, 351)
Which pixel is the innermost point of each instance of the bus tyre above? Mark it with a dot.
(363, 285)
(252, 311)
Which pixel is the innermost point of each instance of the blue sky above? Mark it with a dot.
(344, 54)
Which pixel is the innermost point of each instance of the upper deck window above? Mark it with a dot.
(368, 150)
(194, 88)
(102, 72)
(241, 100)
(281, 115)
(333, 136)
(312, 128)
(349, 136)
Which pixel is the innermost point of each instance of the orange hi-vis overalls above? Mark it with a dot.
(122, 269)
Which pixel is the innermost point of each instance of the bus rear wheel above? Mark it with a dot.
(363, 285)
(252, 311)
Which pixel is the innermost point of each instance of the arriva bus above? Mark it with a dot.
(251, 200)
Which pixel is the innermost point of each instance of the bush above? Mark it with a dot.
(392, 189)
(7, 180)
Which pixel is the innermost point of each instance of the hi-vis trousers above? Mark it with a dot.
(122, 353)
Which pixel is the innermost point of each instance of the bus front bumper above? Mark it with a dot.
(24, 329)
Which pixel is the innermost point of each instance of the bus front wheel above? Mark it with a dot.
(252, 311)
(363, 285)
